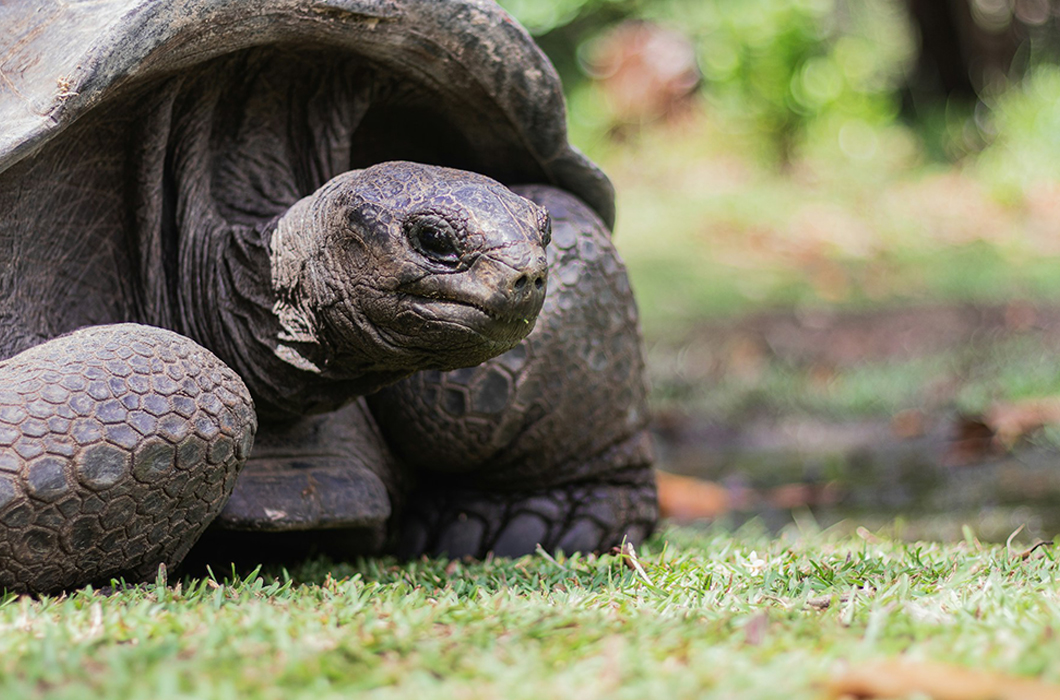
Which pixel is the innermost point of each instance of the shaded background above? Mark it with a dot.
(842, 221)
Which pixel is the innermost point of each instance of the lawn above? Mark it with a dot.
(695, 613)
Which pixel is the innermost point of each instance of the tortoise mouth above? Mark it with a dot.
(505, 327)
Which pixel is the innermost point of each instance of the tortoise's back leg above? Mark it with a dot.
(548, 443)
(118, 445)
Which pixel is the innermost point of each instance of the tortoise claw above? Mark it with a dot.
(578, 517)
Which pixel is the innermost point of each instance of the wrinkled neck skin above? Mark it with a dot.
(380, 273)
(242, 303)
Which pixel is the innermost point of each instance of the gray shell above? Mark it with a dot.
(471, 65)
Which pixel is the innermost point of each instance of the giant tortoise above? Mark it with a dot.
(278, 267)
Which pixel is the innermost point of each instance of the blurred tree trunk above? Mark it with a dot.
(969, 47)
(966, 45)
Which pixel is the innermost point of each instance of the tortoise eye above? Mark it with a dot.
(434, 239)
(435, 243)
(546, 231)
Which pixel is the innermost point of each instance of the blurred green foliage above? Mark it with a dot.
(784, 67)
(820, 76)
(1024, 128)
(787, 69)
(544, 16)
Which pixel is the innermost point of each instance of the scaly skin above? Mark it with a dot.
(548, 443)
(118, 445)
(379, 273)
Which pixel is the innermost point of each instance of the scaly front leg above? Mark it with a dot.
(118, 445)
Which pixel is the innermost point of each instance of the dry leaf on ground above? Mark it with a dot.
(684, 499)
(894, 678)
(1012, 420)
(1000, 428)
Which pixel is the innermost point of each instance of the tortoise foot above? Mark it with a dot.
(118, 446)
(321, 474)
(584, 517)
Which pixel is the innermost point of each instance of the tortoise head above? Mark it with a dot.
(402, 267)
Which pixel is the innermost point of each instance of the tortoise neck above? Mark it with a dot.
(229, 304)
(225, 298)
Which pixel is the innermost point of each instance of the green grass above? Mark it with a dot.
(710, 613)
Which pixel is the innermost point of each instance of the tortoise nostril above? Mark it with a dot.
(520, 283)
(539, 283)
